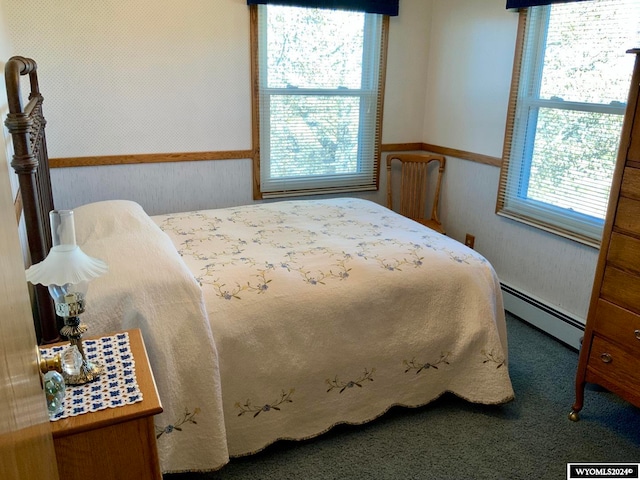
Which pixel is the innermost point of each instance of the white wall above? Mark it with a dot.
(407, 72)
(123, 76)
(176, 78)
(470, 61)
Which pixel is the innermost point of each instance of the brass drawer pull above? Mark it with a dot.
(606, 358)
(637, 334)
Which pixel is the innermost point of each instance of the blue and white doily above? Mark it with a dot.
(116, 387)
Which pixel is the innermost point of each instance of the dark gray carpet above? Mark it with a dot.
(530, 437)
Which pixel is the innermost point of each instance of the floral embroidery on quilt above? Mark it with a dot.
(337, 268)
(335, 384)
(273, 245)
(465, 258)
(491, 357)
(248, 407)
(420, 366)
(222, 291)
(205, 224)
(187, 417)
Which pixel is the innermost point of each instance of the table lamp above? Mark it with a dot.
(67, 271)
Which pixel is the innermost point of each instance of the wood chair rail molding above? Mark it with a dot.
(95, 161)
(149, 158)
(450, 152)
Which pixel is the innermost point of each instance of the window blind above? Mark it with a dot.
(382, 7)
(320, 77)
(535, 3)
(569, 92)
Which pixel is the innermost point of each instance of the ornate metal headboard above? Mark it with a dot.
(31, 163)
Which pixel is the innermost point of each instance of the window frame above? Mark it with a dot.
(260, 136)
(576, 226)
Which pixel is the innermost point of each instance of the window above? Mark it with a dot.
(318, 83)
(570, 86)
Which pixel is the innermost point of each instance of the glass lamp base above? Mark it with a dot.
(89, 371)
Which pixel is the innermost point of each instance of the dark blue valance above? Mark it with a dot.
(384, 7)
(535, 3)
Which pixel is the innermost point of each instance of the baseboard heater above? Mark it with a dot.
(560, 325)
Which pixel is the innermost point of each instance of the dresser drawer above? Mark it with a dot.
(621, 288)
(624, 253)
(628, 215)
(615, 364)
(618, 325)
(630, 186)
(634, 147)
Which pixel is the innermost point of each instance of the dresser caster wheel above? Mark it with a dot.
(573, 416)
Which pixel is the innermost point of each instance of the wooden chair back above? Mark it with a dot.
(414, 187)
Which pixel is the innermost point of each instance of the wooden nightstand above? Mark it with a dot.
(115, 443)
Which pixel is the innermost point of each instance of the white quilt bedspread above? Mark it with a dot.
(332, 311)
(149, 287)
(280, 320)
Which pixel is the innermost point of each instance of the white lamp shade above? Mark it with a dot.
(66, 264)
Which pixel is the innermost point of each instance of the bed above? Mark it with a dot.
(281, 320)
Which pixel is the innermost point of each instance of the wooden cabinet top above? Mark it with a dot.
(150, 404)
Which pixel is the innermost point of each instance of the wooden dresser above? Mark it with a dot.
(610, 354)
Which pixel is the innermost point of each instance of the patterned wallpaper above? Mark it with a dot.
(137, 76)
